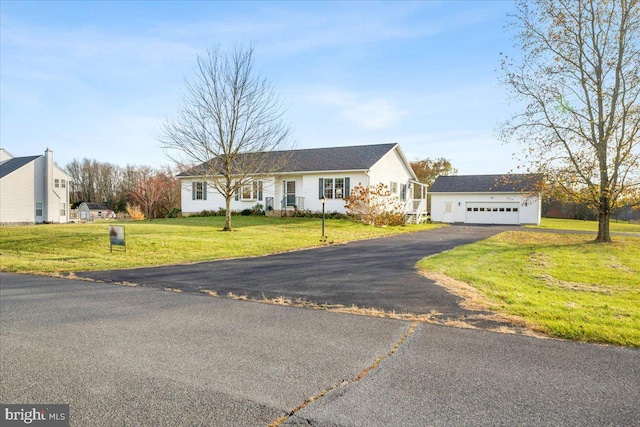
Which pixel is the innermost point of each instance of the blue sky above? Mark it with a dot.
(97, 79)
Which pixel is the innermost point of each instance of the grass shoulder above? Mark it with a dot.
(564, 284)
(579, 225)
(80, 247)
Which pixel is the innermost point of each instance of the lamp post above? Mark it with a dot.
(323, 201)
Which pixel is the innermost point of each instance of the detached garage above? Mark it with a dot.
(486, 199)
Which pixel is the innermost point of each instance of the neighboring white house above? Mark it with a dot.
(486, 199)
(310, 174)
(33, 189)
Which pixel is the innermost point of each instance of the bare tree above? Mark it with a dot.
(229, 121)
(579, 77)
(93, 181)
(148, 191)
(170, 199)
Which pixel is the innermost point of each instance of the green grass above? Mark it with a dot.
(575, 224)
(79, 247)
(563, 283)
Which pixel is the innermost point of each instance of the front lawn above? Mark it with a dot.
(578, 225)
(78, 247)
(563, 283)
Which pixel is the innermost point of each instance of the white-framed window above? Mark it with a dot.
(334, 188)
(38, 208)
(63, 209)
(199, 190)
(56, 183)
(251, 191)
(63, 183)
(338, 184)
(328, 188)
(393, 187)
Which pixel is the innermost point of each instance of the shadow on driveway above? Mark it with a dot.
(377, 273)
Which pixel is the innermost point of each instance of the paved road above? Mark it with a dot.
(377, 273)
(138, 356)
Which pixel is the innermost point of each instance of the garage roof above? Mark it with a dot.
(506, 183)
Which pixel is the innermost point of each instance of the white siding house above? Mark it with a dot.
(33, 189)
(486, 199)
(310, 174)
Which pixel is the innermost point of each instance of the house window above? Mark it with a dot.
(199, 190)
(63, 183)
(393, 187)
(63, 209)
(38, 208)
(515, 209)
(328, 188)
(252, 191)
(403, 192)
(56, 183)
(469, 209)
(339, 188)
(334, 188)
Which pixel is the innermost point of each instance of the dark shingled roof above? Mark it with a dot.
(12, 165)
(98, 206)
(486, 183)
(359, 157)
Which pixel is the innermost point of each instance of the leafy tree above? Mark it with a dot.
(427, 170)
(229, 120)
(579, 80)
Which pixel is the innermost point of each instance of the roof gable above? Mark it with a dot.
(507, 183)
(359, 157)
(12, 165)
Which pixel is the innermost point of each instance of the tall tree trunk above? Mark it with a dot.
(604, 213)
(227, 221)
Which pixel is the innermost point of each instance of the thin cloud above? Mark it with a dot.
(81, 44)
(366, 112)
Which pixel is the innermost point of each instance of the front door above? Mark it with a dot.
(290, 192)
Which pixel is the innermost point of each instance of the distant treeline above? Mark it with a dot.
(155, 191)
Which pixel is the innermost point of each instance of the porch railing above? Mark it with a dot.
(292, 202)
(416, 205)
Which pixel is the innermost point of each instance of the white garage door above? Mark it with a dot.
(492, 213)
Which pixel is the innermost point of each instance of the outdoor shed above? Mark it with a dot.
(486, 199)
(93, 211)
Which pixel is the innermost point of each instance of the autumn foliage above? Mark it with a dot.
(374, 205)
(135, 213)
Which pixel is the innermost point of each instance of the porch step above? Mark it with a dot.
(416, 218)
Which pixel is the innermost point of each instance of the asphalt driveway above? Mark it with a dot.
(377, 273)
